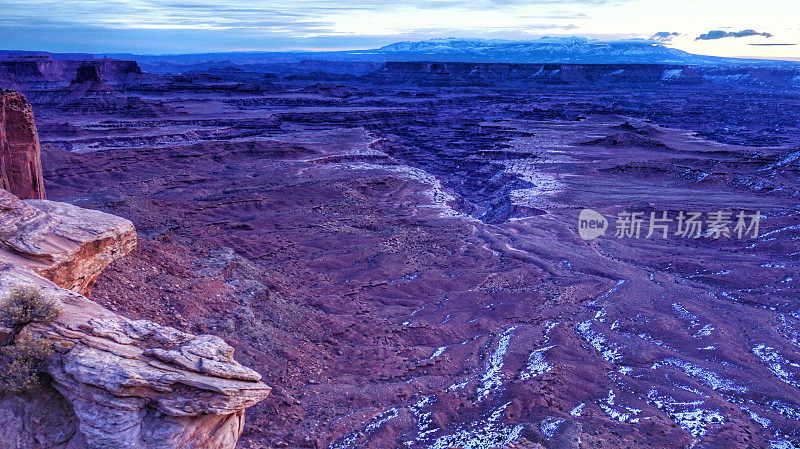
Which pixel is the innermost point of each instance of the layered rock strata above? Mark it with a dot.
(20, 155)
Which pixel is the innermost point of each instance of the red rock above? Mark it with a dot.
(118, 383)
(114, 383)
(43, 68)
(20, 155)
(68, 245)
(318, 247)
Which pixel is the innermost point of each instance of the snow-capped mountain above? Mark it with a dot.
(552, 50)
(574, 49)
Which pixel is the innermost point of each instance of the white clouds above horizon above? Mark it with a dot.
(217, 25)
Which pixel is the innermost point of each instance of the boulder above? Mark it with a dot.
(117, 383)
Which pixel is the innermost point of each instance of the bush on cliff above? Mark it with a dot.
(20, 357)
(26, 305)
(19, 364)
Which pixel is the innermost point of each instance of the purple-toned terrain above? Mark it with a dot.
(395, 246)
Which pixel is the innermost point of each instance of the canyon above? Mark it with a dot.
(394, 246)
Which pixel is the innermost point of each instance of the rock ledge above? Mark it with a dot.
(115, 383)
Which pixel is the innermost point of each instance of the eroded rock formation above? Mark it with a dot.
(20, 155)
(305, 228)
(38, 68)
(88, 73)
(115, 382)
(63, 243)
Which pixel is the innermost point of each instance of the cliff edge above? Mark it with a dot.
(112, 382)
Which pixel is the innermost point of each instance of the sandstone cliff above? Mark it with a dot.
(113, 382)
(63, 243)
(20, 155)
(88, 73)
(39, 68)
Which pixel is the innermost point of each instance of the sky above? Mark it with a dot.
(735, 28)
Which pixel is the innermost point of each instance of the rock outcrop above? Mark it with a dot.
(114, 382)
(20, 154)
(88, 73)
(63, 243)
(36, 68)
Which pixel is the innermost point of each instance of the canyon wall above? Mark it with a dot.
(39, 68)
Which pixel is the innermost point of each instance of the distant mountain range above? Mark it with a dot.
(578, 50)
(563, 50)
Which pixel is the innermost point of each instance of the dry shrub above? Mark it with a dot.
(26, 305)
(21, 357)
(19, 364)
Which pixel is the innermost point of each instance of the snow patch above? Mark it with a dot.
(778, 364)
(438, 352)
(671, 74)
(483, 434)
(537, 364)
(548, 426)
(492, 378)
(619, 413)
(687, 415)
(784, 444)
(710, 378)
(764, 422)
(608, 350)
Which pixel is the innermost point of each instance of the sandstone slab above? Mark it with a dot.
(67, 244)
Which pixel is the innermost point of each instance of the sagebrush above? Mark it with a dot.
(22, 356)
(20, 362)
(27, 305)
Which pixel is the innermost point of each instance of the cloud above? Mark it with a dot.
(719, 34)
(664, 36)
(299, 18)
